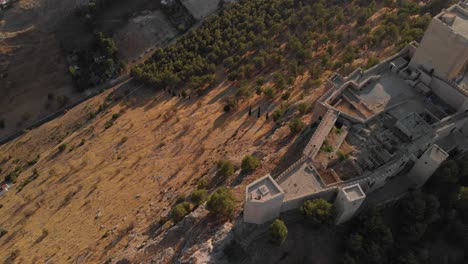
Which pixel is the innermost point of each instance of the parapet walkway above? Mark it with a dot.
(324, 128)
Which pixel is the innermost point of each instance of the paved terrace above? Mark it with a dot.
(301, 180)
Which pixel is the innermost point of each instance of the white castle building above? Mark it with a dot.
(380, 132)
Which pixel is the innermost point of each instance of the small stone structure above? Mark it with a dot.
(388, 128)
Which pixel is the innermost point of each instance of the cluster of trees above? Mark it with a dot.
(260, 28)
(369, 240)
(99, 61)
(436, 214)
(97, 64)
(220, 203)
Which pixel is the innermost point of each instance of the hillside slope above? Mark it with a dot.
(94, 181)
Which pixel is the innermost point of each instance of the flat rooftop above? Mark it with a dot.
(413, 126)
(353, 192)
(262, 189)
(300, 181)
(456, 17)
(390, 92)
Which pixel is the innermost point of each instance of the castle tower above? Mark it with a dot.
(443, 50)
(348, 201)
(426, 165)
(263, 200)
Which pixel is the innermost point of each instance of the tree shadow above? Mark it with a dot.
(294, 152)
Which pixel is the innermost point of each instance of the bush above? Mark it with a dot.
(2, 123)
(318, 212)
(341, 155)
(277, 232)
(11, 177)
(303, 108)
(180, 211)
(249, 163)
(203, 183)
(296, 126)
(221, 202)
(269, 92)
(225, 168)
(199, 196)
(2, 232)
(62, 147)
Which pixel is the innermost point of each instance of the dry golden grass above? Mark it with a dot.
(94, 196)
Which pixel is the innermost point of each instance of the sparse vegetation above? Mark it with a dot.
(277, 232)
(249, 163)
(327, 148)
(342, 156)
(221, 202)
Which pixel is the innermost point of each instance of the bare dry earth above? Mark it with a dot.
(143, 33)
(33, 64)
(93, 200)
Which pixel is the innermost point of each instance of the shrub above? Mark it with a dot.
(180, 211)
(180, 199)
(269, 92)
(318, 212)
(199, 196)
(285, 96)
(202, 183)
(303, 108)
(2, 232)
(249, 163)
(338, 131)
(225, 168)
(341, 155)
(277, 232)
(327, 148)
(371, 62)
(11, 177)
(221, 202)
(296, 126)
(62, 147)
(2, 123)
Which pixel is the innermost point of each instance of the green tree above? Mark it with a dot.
(225, 168)
(277, 232)
(221, 202)
(199, 196)
(249, 163)
(180, 211)
(355, 242)
(318, 212)
(296, 126)
(303, 108)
